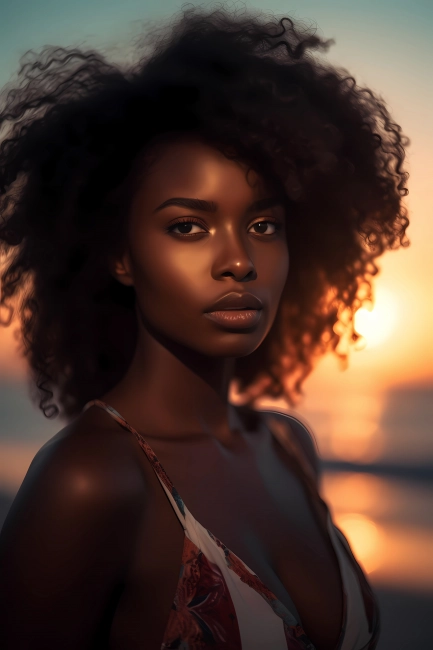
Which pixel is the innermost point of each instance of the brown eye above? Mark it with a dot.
(262, 227)
(185, 227)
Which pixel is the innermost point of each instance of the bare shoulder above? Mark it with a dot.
(87, 464)
(95, 441)
(70, 531)
(303, 434)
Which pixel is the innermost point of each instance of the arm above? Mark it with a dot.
(64, 546)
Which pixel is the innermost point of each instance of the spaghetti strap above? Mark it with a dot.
(158, 468)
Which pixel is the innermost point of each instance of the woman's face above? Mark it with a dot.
(180, 268)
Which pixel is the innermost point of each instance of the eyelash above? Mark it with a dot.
(275, 222)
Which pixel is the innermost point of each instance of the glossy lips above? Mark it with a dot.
(236, 311)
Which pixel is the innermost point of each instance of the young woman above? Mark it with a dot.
(203, 220)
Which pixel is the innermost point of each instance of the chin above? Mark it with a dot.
(235, 345)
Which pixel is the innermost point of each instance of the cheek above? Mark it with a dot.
(277, 270)
(284, 267)
(168, 282)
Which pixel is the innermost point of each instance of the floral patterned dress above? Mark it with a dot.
(221, 603)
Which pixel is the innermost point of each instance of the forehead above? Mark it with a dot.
(190, 164)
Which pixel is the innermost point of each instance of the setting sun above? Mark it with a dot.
(378, 322)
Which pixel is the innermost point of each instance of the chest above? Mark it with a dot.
(257, 506)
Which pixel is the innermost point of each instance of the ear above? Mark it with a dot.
(121, 270)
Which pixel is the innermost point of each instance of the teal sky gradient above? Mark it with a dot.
(389, 32)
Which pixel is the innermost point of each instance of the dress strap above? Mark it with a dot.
(294, 448)
(307, 474)
(163, 477)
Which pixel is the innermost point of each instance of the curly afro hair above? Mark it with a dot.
(75, 128)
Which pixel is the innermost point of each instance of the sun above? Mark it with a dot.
(377, 323)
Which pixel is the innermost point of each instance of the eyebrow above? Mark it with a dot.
(211, 206)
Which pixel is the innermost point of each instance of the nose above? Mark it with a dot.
(235, 260)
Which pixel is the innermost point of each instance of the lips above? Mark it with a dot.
(236, 301)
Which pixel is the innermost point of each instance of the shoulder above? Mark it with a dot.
(83, 470)
(71, 531)
(303, 434)
(97, 446)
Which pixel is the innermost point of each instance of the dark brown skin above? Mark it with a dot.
(178, 380)
(91, 505)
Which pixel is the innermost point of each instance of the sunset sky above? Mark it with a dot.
(385, 45)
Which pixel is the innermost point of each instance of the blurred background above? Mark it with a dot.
(373, 422)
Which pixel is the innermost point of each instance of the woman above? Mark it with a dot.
(203, 220)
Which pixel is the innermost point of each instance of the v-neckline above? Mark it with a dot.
(289, 617)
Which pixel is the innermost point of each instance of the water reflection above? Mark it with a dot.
(388, 524)
(386, 500)
(394, 425)
(364, 537)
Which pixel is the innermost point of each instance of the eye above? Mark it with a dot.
(185, 226)
(263, 226)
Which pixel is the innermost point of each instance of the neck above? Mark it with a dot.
(172, 391)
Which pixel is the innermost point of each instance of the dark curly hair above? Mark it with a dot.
(77, 128)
